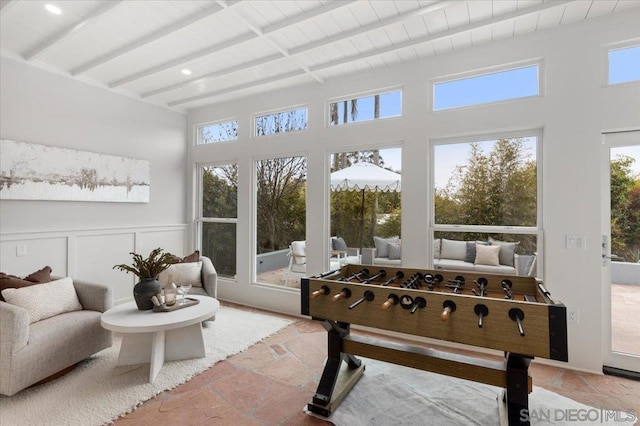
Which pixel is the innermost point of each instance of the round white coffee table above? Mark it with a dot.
(154, 337)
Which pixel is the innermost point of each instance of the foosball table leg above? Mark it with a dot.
(334, 386)
(518, 389)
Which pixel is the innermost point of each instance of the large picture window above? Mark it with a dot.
(365, 207)
(486, 192)
(218, 216)
(281, 209)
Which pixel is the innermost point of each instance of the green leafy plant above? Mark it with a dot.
(148, 267)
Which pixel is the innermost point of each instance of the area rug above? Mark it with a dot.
(388, 394)
(98, 391)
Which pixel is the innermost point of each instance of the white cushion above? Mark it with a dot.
(182, 273)
(299, 249)
(453, 249)
(487, 255)
(44, 301)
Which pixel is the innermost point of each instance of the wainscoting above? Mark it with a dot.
(89, 254)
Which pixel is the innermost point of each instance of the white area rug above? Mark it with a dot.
(388, 394)
(98, 391)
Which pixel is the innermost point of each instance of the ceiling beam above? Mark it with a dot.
(181, 60)
(241, 39)
(307, 47)
(150, 38)
(235, 88)
(67, 32)
(391, 48)
(260, 33)
(229, 70)
(442, 35)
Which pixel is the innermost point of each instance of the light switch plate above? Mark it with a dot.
(576, 242)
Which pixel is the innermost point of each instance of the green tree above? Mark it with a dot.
(625, 209)
(495, 188)
(281, 197)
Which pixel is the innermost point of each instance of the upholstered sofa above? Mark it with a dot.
(459, 256)
(32, 352)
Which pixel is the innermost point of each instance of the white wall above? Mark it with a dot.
(85, 239)
(574, 111)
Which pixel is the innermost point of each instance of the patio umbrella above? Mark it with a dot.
(365, 177)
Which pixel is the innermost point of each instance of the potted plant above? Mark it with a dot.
(147, 270)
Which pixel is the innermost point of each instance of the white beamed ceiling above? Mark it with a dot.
(243, 48)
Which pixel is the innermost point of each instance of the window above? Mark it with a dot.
(624, 65)
(514, 83)
(365, 200)
(281, 217)
(281, 122)
(488, 189)
(218, 216)
(217, 132)
(373, 107)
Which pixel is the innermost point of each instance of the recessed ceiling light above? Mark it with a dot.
(186, 72)
(53, 9)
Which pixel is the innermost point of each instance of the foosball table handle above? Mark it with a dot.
(449, 307)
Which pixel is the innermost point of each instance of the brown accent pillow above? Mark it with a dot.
(193, 257)
(11, 281)
(41, 276)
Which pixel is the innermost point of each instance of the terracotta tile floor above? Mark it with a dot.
(271, 382)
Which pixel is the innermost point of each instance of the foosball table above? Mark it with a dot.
(513, 314)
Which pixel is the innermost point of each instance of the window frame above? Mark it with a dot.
(368, 93)
(255, 115)
(199, 126)
(200, 219)
(537, 230)
(539, 62)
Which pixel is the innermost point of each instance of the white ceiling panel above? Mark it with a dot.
(251, 47)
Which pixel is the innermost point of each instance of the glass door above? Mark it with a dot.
(621, 251)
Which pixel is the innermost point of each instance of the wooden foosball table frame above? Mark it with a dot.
(524, 324)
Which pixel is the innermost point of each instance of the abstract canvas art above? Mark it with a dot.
(39, 172)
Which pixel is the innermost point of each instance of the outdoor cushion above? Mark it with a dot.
(507, 250)
(453, 249)
(299, 249)
(436, 248)
(338, 244)
(395, 251)
(471, 250)
(487, 255)
(382, 245)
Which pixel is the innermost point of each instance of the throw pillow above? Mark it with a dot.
(395, 251)
(436, 248)
(507, 251)
(41, 276)
(453, 249)
(11, 281)
(471, 250)
(487, 255)
(45, 300)
(193, 257)
(382, 245)
(182, 273)
(338, 244)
